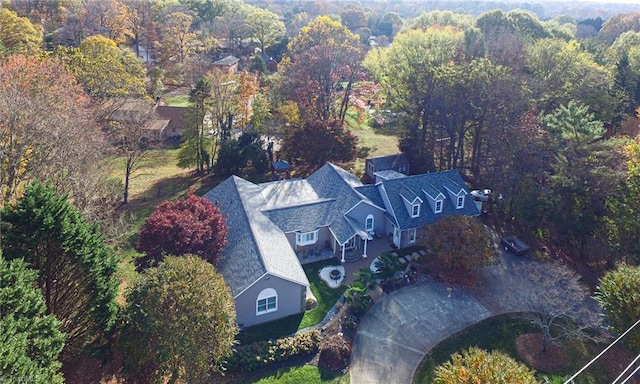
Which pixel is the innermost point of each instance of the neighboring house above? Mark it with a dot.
(175, 116)
(270, 63)
(160, 122)
(228, 64)
(277, 226)
(398, 163)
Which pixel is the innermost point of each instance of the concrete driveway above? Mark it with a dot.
(399, 330)
(395, 334)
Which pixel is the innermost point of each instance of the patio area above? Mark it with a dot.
(374, 248)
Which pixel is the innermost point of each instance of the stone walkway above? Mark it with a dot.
(400, 329)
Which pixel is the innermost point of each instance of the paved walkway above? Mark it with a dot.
(399, 330)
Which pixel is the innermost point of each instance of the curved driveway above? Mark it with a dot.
(400, 329)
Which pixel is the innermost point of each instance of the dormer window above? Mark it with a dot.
(438, 206)
(460, 202)
(415, 210)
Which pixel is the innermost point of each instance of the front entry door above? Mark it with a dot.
(396, 237)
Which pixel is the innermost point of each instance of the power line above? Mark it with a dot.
(570, 380)
(632, 373)
(626, 369)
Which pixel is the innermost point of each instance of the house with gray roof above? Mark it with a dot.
(398, 162)
(277, 226)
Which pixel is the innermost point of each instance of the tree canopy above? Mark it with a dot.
(618, 294)
(325, 56)
(179, 322)
(18, 35)
(59, 141)
(314, 143)
(76, 270)
(475, 365)
(31, 340)
(192, 225)
(104, 69)
(458, 241)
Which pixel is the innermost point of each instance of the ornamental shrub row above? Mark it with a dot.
(259, 354)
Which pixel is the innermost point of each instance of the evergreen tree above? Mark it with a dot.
(75, 267)
(30, 340)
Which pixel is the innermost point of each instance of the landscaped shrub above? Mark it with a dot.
(262, 353)
(335, 353)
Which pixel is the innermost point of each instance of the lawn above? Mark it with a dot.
(306, 374)
(372, 141)
(176, 100)
(500, 333)
(326, 296)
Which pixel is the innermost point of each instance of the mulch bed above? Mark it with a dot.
(529, 347)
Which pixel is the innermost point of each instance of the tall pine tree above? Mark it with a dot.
(30, 341)
(75, 267)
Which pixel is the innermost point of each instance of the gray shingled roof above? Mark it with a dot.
(255, 245)
(302, 218)
(229, 61)
(372, 194)
(286, 193)
(389, 162)
(334, 182)
(388, 174)
(394, 188)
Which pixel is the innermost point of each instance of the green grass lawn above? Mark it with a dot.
(326, 296)
(500, 333)
(306, 374)
(371, 141)
(177, 101)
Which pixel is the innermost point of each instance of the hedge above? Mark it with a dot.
(259, 354)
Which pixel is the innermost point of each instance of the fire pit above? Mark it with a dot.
(332, 275)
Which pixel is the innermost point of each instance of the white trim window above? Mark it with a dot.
(438, 206)
(267, 301)
(460, 202)
(307, 238)
(415, 210)
(412, 235)
(368, 223)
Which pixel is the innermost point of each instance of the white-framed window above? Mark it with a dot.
(368, 223)
(267, 301)
(306, 238)
(415, 210)
(460, 202)
(438, 206)
(412, 235)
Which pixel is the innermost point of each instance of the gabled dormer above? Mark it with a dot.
(456, 193)
(435, 198)
(412, 202)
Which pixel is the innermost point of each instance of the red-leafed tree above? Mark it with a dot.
(315, 142)
(188, 226)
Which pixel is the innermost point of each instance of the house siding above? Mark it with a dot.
(291, 301)
(360, 213)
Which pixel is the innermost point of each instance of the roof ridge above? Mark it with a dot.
(322, 200)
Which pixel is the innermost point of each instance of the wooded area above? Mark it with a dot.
(541, 107)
